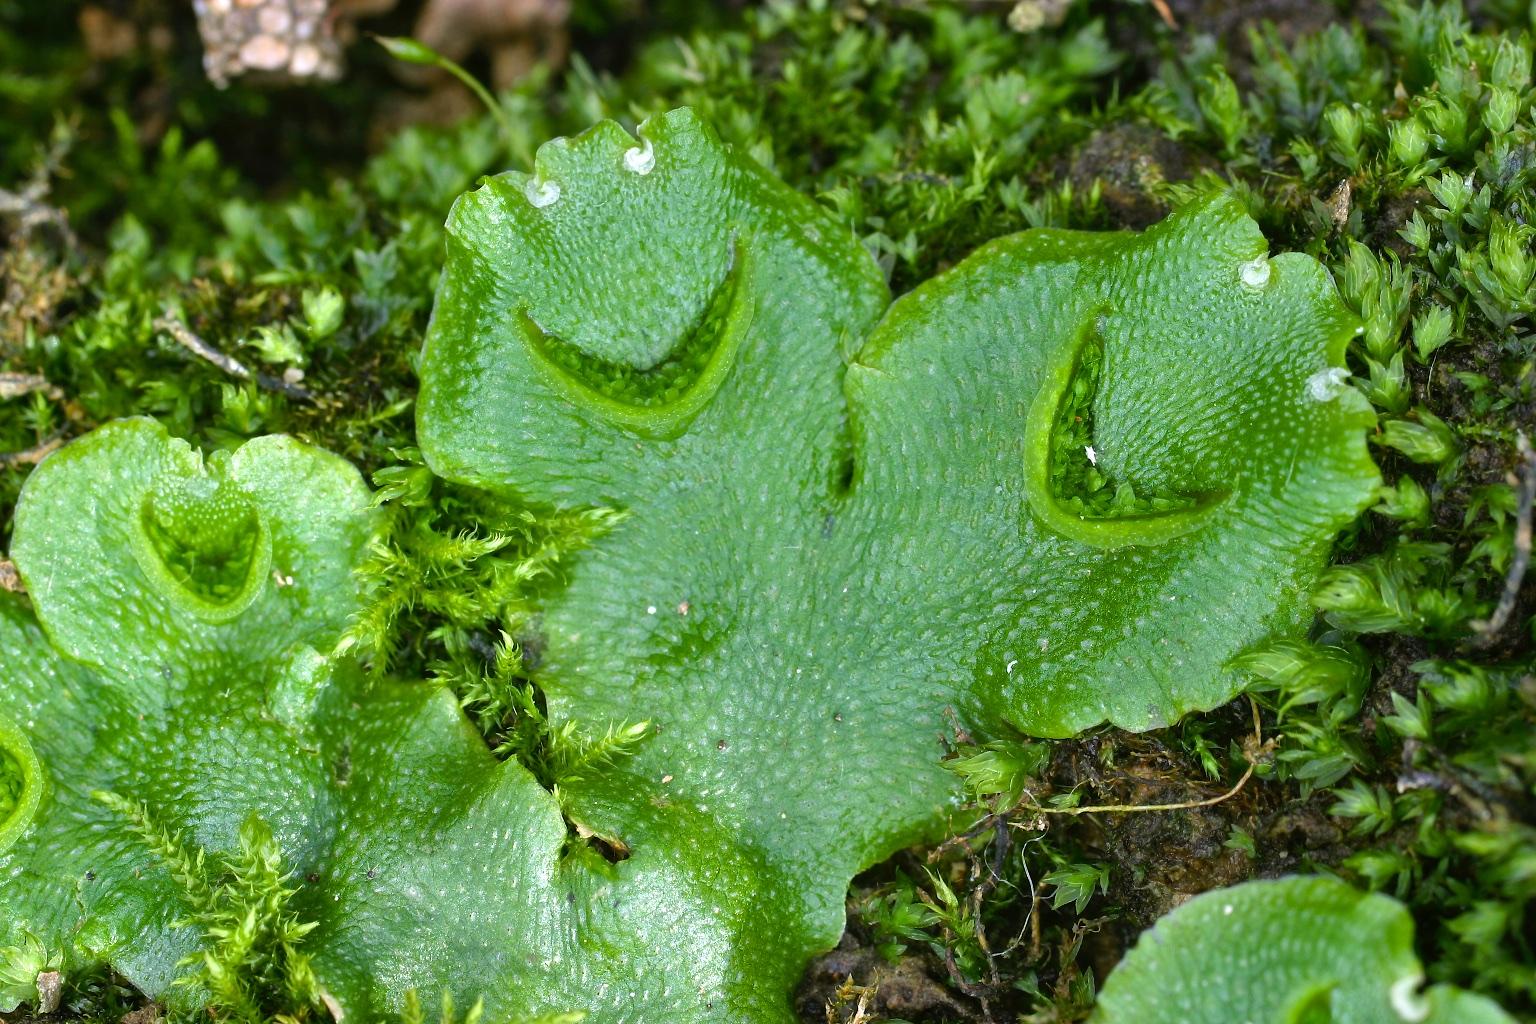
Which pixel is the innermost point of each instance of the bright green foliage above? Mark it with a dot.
(426, 567)
(250, 966)
(926, 129)
(1429, 249)
(336, 810)
(1002, 768)
(187, 671)
(1293, 951)
(1075, 884)
(142, 557)
(532, 265)
(864, 101)
(785, 597)
(337, 283)
(202, 535)
(450, 575)
(12, 785)
(793, 588)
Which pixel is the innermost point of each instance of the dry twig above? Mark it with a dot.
(1166, 13)
(27, 207)
(32, 456)
(1525, 482)
(19, 385)
(188, 340)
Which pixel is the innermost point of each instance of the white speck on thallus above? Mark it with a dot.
(1227, 909)
(1093, 456)
(1326, 385)
(541, 193)
(1405, 999)
(1255, 273)
(640, 159)
(1009, 667)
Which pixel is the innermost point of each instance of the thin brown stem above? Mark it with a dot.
(32, 456)
(1258, 742)
(187, 339)
(1525, 482)
(1166, 13)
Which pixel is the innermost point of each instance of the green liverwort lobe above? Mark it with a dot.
(1066, 482)
(1289, 951)
(177, 593)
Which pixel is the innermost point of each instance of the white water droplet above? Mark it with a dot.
(1406, 1002)
(541, 193)
(1255, 273)
(1326, 385)
(640, 159)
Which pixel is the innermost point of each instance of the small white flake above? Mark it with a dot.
(1093, 456)
(650, 609)
(541, 193)
(1227, 909)
(1009, 667)
(640, 159)
(1326, 385)
(1255, 273)
(1406, 1002)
